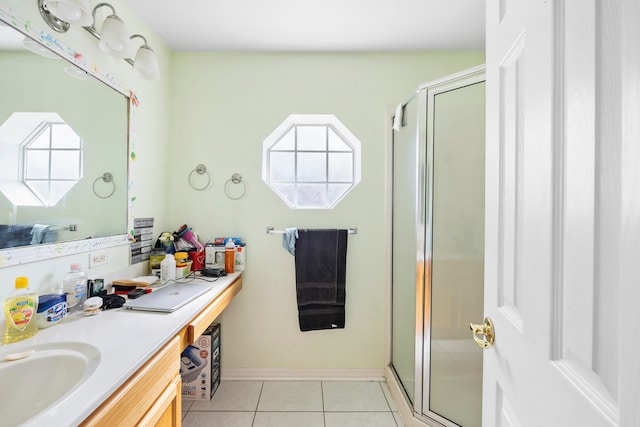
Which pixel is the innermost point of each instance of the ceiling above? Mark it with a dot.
(307, 25)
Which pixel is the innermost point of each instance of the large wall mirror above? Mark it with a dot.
(63, 147)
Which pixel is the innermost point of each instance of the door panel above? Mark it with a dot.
(510, 210)
(585, 347)
(557, 215)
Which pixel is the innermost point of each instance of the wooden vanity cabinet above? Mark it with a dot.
(153, 395)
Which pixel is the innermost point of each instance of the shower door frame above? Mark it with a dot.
(425, 139)
(429, 92)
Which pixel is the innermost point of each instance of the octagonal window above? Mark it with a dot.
(311, 161)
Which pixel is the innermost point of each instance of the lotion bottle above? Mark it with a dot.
(20, 312)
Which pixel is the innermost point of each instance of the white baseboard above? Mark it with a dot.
(303, 374)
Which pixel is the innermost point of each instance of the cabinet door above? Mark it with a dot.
(132, 403)
(167, 409)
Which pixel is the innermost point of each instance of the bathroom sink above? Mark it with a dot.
(42, 376)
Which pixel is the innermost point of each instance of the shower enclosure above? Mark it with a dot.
(437, 250)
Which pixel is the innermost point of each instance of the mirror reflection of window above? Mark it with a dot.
(43, 161)
(52, 161)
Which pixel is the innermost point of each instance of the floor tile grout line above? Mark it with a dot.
(354, 411)
(324, 417)
(323, 412)
(255, 412)
(388, 403)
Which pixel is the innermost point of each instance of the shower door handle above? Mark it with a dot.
(483, 335)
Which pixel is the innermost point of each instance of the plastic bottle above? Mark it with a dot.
(168, 268)
(229, 256)
(52, 308)
(241, 250)
(74, 285)
(20, 312)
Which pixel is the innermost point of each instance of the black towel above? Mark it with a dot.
(321, 260)
(15, 235)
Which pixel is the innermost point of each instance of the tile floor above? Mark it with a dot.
(295, 404)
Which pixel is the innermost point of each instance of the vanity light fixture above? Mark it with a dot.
(145, 64)
(76, 12)
(113, 36)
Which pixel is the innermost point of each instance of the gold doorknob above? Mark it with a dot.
(485, 331)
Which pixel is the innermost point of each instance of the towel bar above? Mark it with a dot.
(271, 230)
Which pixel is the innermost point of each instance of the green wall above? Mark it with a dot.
(223, 105)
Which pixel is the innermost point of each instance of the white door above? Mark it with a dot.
(562, 269)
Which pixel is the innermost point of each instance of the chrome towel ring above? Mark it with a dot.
(107, 178)
(236, 178)
(200, 170)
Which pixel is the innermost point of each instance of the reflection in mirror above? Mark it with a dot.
(58, 136)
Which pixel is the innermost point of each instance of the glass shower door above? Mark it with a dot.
(407, 275)
(456, 159)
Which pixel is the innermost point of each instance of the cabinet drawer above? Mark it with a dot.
(201, 322)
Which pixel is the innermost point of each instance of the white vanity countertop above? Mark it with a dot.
(126, 339)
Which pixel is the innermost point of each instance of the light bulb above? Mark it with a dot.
(69, 12)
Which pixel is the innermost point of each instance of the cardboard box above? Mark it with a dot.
(200, 366)
(214, 256)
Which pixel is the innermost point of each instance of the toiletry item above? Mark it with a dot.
(168, 268)
(155, 258)
(229, 256)
(184, 271)
(20, 309)
(223, 240)
(52, 308)
(189, 236)
(241, 253)
(181, 258)
(74, 285)
(93, 306)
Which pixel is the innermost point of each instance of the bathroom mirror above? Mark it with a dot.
(63, 147)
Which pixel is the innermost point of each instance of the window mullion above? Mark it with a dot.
(50, 154)
(295, 165)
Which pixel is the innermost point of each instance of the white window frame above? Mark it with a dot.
(295, 121)
(47, 128)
